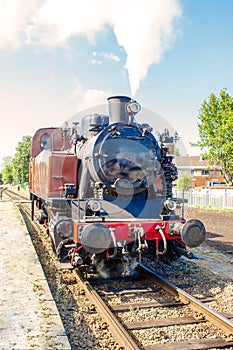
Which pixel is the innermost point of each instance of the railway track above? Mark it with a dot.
(17, 196)
(153, 283)
(112, 299)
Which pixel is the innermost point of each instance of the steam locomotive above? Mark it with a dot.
(103, 189)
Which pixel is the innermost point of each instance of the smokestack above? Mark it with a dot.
(117, 109)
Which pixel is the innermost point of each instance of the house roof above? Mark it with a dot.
(191, 162)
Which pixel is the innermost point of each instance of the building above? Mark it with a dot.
(199, 169)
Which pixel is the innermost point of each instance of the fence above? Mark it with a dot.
(208, 197)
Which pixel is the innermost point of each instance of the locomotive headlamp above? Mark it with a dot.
(170, 204)
(133, 108)
(93, 205)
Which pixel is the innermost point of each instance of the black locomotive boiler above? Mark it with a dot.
(104, 190)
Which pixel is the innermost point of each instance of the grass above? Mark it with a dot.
(209, 207)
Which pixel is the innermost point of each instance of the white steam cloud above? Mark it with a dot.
(144, 28)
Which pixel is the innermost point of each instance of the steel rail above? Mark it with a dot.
(118, 332)
(15, 194)
(211, 315)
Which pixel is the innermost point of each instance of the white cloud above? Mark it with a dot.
(94, 61)
(89, 98)
(14, 17)
(144, 28)
(56, 21)
(111, 56)
(108, 56)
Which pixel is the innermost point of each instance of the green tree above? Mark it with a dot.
(21, 160)
(7, 171)
(216, 132)
(183, 183)
(177, 152)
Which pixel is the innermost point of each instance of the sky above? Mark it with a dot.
(59, 57)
